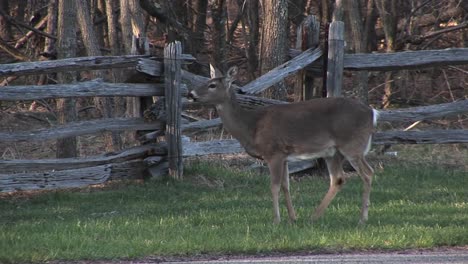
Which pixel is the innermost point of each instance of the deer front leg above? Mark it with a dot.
(276, 167)
(335, 169)
(287, 195)
(366, 172)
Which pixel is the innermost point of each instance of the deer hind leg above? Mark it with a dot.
(366, 172)
(276, 167)
(287, 195)
(337, 179)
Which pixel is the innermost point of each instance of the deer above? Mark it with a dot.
(335, 129)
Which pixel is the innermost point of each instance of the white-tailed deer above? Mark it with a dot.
(335, 129)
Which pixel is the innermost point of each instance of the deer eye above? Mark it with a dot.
(212, 86)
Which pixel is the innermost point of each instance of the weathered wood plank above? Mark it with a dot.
(83, 89)
(54, 179)
(315, 69)
(71, 64)
(279, 73)
(201, 125)
(172, 80)
(155, 68)
(139, 152)
(405, 59)
(81, 128)
(424, 112)
(72, 178)
(212, 147)
(150, 67)
(308, 36)
(128, 170)
(335, 59)
(421, 137)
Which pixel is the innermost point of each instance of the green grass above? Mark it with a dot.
(219, 211)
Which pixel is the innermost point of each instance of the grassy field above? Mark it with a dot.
(227, 211)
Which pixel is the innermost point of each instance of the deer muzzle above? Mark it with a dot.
(192, 96)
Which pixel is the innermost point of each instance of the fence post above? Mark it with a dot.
(307, 37)
(172, 77)
(335, 59)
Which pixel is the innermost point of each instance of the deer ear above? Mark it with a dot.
(232, 72)
(214, 72)
(231, 76)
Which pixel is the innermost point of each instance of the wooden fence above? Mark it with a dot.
(157, 158)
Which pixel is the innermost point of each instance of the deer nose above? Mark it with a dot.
(192, 95)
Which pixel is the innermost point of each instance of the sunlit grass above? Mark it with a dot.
(217, 210)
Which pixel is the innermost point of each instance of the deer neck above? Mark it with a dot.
(240, 122)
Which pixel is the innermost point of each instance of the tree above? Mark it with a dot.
(388, 10)
(49, 51)
(359, 41)
(198, 29)
(112, 33)
(219, 17)
(274, 42)
(90, 39)
(5, 28)
(66, 48)
(133, 33)
(114, 44)
(251, 19)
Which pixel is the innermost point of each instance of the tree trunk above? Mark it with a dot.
(49, 44)
(370, 36)
(219, 17)
(66, 48)
(98, 10)
(90, 39)
(112, 33)
(360, 87)
(296, 11)
(325, 12)
(5, 28)
(126, 24)
(113, 40)
(274, 44)
(132, 28)
(133, 34)
(252, 22)
(387, 11)
(198, 37)
(338, 10)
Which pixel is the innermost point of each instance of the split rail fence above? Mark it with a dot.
(166, 157)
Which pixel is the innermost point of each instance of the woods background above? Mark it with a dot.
(255, 35)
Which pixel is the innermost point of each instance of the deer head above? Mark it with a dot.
(218, 89)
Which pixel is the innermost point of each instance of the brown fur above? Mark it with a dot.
(333, 128)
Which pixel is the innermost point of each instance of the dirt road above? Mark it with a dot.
(442, 256)
(457, 255)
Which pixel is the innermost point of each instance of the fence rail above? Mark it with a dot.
(81, 128)
(94, 88)
(71, 64)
